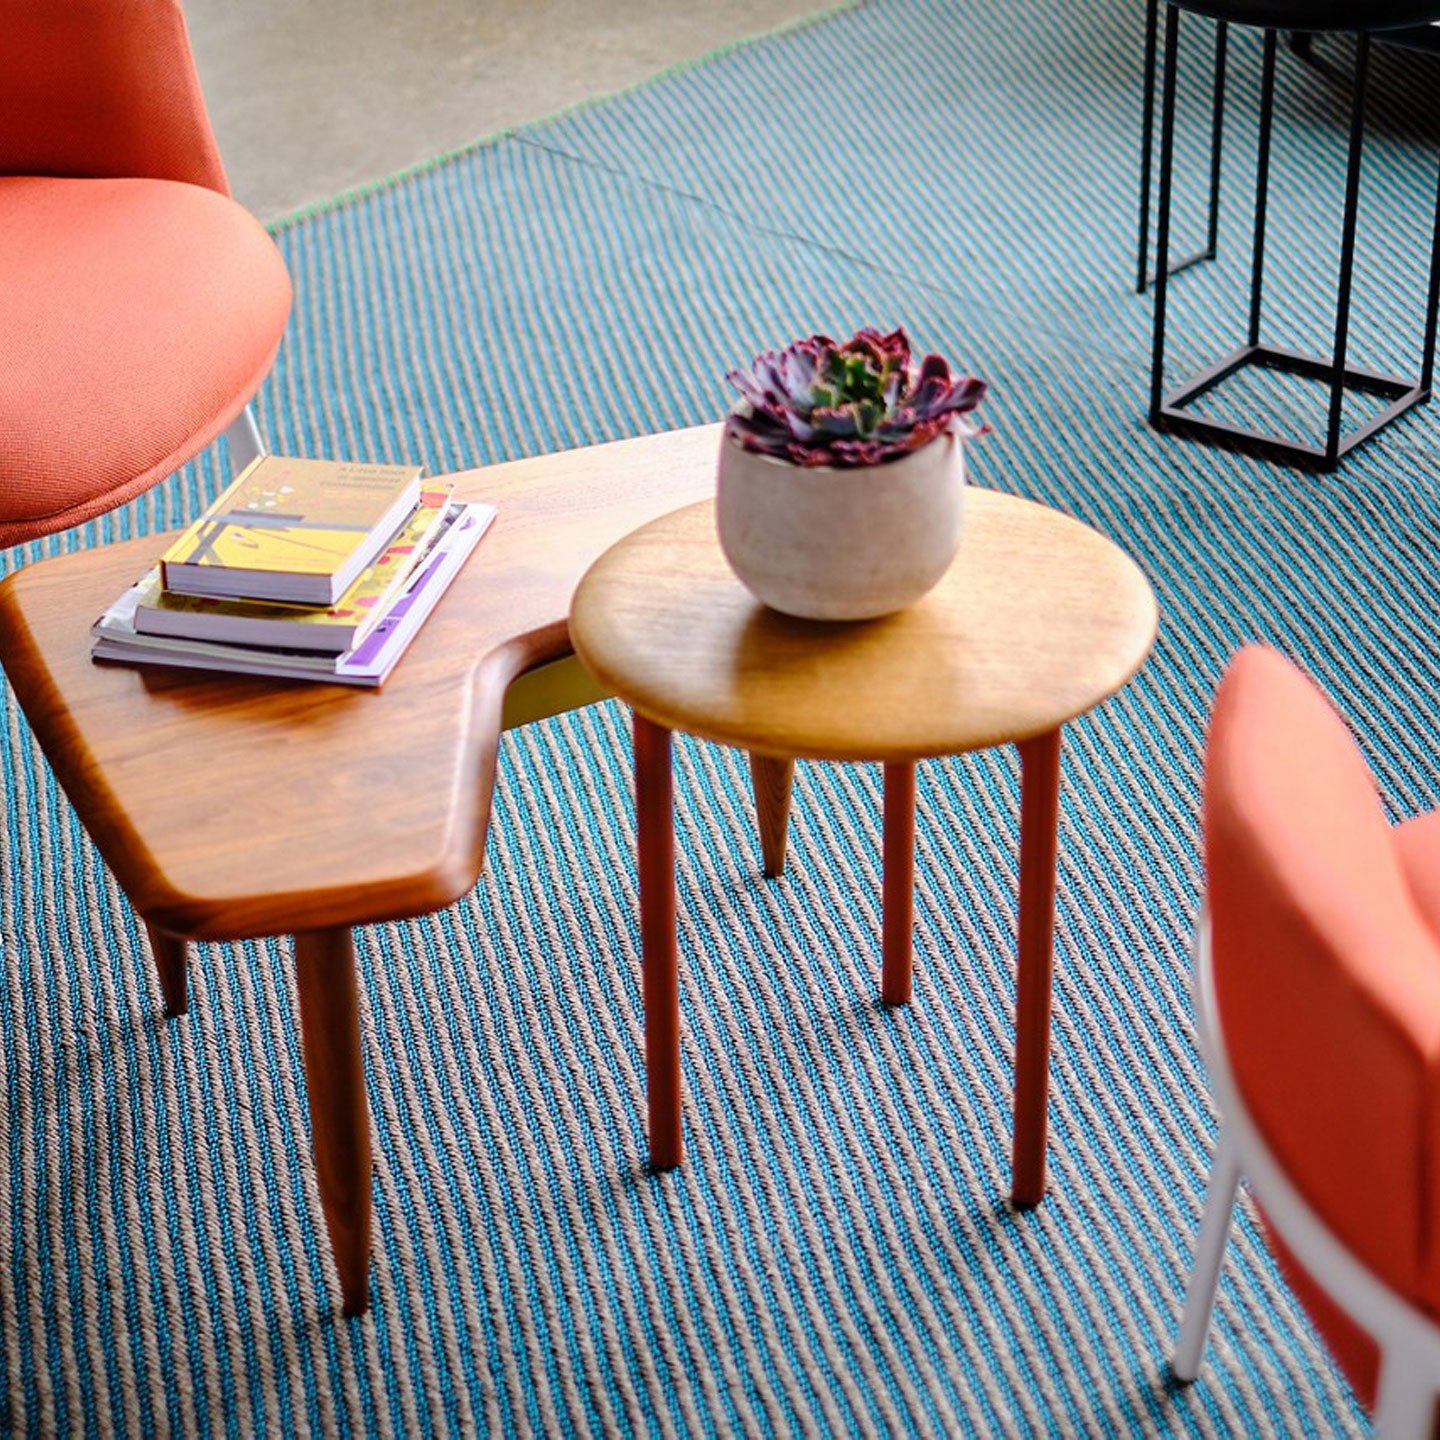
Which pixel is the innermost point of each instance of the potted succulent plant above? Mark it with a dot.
(842, 472)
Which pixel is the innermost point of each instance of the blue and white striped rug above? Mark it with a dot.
(836, 1256)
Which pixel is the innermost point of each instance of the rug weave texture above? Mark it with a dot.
(836, 1256)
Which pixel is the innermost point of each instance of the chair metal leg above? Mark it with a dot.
(1405, 1400)
(1209, 1252)
(244, 439)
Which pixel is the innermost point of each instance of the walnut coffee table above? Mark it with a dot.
(366, 806)
(1038, 620)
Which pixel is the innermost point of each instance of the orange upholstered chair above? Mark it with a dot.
(1318, 996)
(140, 306)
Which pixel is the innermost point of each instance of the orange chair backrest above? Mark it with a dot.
(1327, 979)
(102, 88)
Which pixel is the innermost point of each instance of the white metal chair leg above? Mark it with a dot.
(1405, 1404)
(1209, 1252)
(245, 441)
(1407, 1337)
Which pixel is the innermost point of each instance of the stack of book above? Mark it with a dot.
(302, 569)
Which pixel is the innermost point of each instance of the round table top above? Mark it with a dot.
(1038, 619)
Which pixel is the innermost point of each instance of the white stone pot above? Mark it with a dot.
(841, 544)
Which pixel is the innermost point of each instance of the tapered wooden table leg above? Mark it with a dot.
(655, 845)
(898, 919)
(772, 780)
(169, 953)
(1039, 821)
(339, 1119)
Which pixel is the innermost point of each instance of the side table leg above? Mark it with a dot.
(169, 953)
(898, 918)
(1039, 821)
(339, 1120)
(772, 780)
(655, 843)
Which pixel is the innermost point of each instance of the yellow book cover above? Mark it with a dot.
(291, 529)
(333, 628)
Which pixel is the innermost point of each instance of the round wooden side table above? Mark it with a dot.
(1038, 620)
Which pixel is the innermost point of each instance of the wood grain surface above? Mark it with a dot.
(1038, 619)
(1039, 841)
(771, 782)
(655, 862)
(329, 993)
(231, 807)
(170, 960)
(898, 884)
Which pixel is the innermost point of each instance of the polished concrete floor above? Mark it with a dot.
(312, 97)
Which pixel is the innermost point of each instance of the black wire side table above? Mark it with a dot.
(1169, 410)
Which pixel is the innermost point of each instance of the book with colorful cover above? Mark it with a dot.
(330, 630)
(288, 529)
(368, 664)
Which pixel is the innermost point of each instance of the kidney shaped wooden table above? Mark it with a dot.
(1038, 619)
(352, 806)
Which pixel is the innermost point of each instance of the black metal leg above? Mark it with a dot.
(1162, 234)
(1427, 367)
(1217, 137)
(1347, 245)
(1262, 185)
(1147, 144)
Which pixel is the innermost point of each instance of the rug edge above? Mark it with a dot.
(356, 193)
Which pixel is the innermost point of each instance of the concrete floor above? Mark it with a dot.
(312, 97)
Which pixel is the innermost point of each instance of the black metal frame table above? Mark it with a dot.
(1168, 411)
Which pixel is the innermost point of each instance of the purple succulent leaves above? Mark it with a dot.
(859, 403)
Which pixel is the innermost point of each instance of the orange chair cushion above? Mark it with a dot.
(1417, 843)
(137, 317)
(102, 88)
(1327, 974)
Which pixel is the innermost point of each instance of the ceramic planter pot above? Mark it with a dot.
(841, 544)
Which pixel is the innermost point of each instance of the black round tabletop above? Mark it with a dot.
(1318, 14)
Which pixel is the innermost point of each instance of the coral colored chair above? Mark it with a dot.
(1318, 996)
(140, 306)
